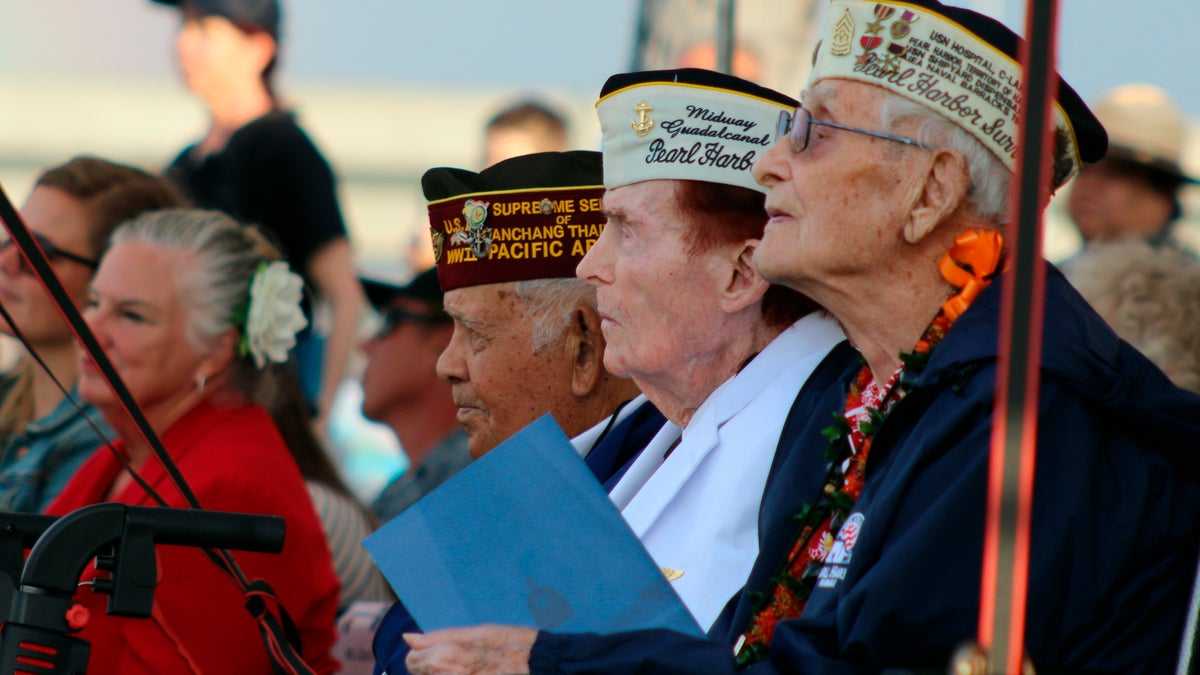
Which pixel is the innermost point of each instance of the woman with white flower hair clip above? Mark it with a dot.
(197, 314)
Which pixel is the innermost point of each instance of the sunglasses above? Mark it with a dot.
(397, 316)
(797, 126)
(52, 253)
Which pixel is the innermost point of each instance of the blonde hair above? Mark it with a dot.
(16, 402)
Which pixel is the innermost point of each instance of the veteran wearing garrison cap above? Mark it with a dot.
(888, 200)
(717, 349)
(721, 352)
(527, 337)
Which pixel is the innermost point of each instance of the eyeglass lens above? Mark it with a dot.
(795, 126)
(49, 249)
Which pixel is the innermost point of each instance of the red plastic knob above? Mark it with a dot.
(78, 616)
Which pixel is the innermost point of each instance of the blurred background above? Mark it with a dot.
(390, 88)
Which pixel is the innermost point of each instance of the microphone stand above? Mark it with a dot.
(35, 638)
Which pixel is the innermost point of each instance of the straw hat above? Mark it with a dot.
(1145, 126)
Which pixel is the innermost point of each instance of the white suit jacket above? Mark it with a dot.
(697, 511)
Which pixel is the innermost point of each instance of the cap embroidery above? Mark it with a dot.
(843, 36)
(478, 237)
(439, 243)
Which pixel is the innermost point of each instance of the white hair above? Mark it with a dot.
(550, 304)
(214, 285)
(990, 178)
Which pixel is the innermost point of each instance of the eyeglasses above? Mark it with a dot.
(51, 252)
(397, 316)
(796, 127)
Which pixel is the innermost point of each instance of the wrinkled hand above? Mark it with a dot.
(481, 650)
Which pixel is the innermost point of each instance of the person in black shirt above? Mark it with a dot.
(257, 164)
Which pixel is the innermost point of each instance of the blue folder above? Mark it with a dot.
(525, 536)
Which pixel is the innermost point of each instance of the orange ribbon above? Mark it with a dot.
(969, 266)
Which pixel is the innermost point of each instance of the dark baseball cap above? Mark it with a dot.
(264, 14)
(423, 288)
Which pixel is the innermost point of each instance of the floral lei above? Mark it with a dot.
(969, 266)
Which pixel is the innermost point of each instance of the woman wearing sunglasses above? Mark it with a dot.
(73, 208)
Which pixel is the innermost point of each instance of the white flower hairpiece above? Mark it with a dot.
(273, 317)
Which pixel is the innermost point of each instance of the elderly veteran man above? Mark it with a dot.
(1116, 504)
(723, 354)
(527, 337)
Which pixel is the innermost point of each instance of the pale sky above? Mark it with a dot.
(467, 43)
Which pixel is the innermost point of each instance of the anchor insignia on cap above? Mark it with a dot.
(643, 124)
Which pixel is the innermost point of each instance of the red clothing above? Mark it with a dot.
(234, 460)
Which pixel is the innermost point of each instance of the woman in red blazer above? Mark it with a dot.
(196, 313)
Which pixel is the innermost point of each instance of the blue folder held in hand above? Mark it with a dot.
(525, 536)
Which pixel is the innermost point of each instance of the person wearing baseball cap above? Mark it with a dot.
(1133, 192)
(720, 351)
(401, 388)
(257, 164)
(261, 15)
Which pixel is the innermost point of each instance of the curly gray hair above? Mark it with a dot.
(1150, 297)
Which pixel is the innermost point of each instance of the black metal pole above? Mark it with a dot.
(1014, 438)
(725, 35)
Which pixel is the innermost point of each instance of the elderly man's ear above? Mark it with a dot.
(744, 286)
(945, 189)
(585, 344)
